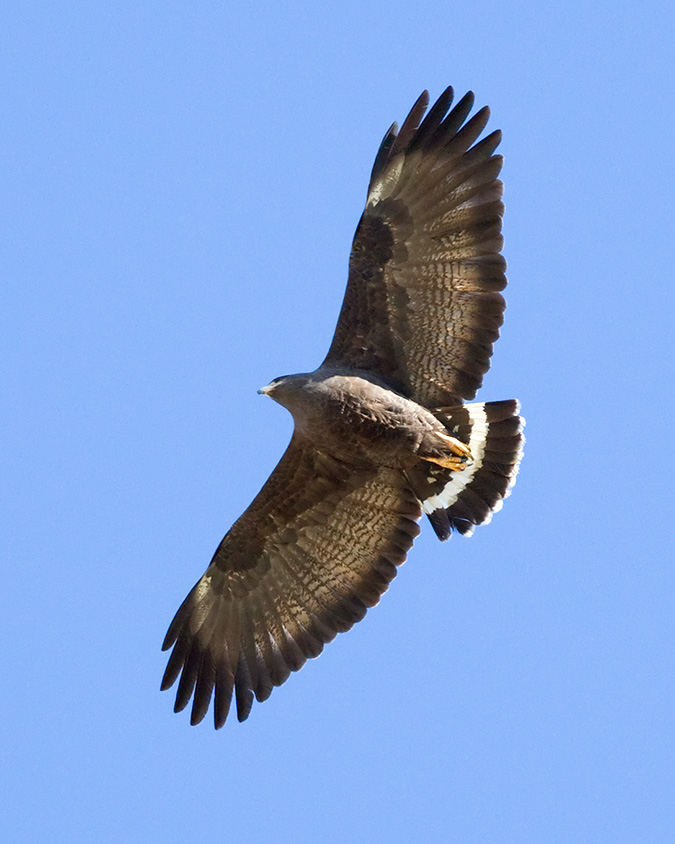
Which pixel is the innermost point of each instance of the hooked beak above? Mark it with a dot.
(265, 391)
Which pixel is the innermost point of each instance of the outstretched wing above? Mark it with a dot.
(317, 547)
(422, 307)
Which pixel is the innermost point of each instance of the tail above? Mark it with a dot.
(461, 500)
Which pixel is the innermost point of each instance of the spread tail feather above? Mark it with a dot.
(461, 500)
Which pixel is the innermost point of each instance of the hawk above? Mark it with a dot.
(382, 433)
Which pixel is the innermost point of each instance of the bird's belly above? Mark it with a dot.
(357, 420)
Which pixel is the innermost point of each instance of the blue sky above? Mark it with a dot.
(181, 183)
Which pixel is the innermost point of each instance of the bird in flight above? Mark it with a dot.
(382, 431)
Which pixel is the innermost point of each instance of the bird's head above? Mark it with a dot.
(284, 388)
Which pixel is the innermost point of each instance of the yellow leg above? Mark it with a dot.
(457, 464)
(455, 446)
(460, 454)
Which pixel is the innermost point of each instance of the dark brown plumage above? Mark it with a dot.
(381, 433)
